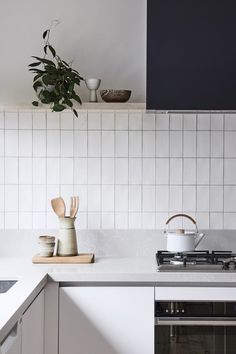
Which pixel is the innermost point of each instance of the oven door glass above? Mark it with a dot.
(182, 339)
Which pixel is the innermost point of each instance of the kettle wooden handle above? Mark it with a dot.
(179, 215)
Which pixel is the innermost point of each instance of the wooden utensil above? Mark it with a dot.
(59, 207)
(74, 206)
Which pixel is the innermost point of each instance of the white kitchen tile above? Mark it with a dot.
(203, 171)
(53, 170)
(53, 143)
(11, 120)
(80, 143)
(217, 121)
(82, 192)
(161, 219)
(190, 121)
(148, 221)
(2, 117)
(162, 121)
(94, 143)
(108, 143)
(190, 143)
(108, 120)
(25, 120)
(176, 197)
(108, 171)
(66, 192)
(229, 198)
(203, 144)
(135, 171)
(162, 198)
(25, 143)
(51, 220)
(81, 222)
(216, 176)
(94, 171)
(80, 170)
(149, 171)
(39, 170)
(108, 221)
(39, 198)
(230, 171)
(11, 221)
(66, 170)
(39, 221)
(108, 198)
(202, 220)
(11, 142)
(67, 120)
(176, 121)
(39, 143)
(135, 221)
(149, 198)
(39, 120)
(162, 171)
(121, 198)
(230, 144)
(121, 171)
(121, 120)
(229, 221)
(216, 221)
(94, 198)
(2, 198)
(176, 143)
(25, 198)
(149, 122)
(94, 120)
(217, 143)
(176, 171)
(11, 198)
(67, 143)
(52, 191)
(162, 144)
(230, 121)
(149, 144)
(189, 199)
(202, 198)
(135, 144)
(81, 123)
(216, 198)
(189, 173)
(135, 198)
(11, 170)
(121, 221)
(53, 120)
(2, 143)
(135, 120)
(2, 170)
(121, 144)
(25, 170)
(203, 121)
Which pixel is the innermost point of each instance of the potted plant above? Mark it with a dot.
(55, 80)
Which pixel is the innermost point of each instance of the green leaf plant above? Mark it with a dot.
(54, 79)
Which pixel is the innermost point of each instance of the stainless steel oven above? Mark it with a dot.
(195, 327)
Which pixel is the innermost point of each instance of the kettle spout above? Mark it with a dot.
(199, 239)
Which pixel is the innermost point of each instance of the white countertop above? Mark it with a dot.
(143, 271)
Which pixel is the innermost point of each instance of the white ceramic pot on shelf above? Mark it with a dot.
(67, 242)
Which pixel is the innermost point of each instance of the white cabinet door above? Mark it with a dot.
(33, 327)
(106, 320)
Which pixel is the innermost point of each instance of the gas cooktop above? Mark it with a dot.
(219, 261)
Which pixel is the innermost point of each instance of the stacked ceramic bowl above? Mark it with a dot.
(46, 246)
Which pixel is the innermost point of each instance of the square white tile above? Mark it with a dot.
(203, 171)
(230, 144)
(121, 171)
(11, 170)
(149, 144)
(11, 143)
(53, 120)
(80, 143)
(190, 121)
(121, 221)
(189, 199)
(149, 171)
(11, 120)
(121, 198)
(176, 121)
(229, 221)
(230, 121)
(39, 221)
(11, 198)
(135, 120)
(149, 198)
(108, 221)
(82, 221)
(176, 171)
(81, 123)
(82, 192)
(94, 198)
(94, 120)
(39, 170)
(135, 198)
(216, 221)
(162, 144)
(162, 121)
(108, 120)
(217, 121)
(161, 219)
(121, 120)
(25, 120)
(217, 143)
(108, 143)
(25, 198)
(39, 120)
(108, 198)
(203, 144)
(66, 170)
(67, 143)
(53, 143)
(135, 221)
(80, 170)
(216, 172)
(230, 171)
(216, 199)
(149, 121)
(108, 171)
(11, 221)
(202, 220)
(176, 199)
(39, 143)
(176, 144)
(53, 170)
(203, 121)
(162, 198)
(25, 143)
(121, 144)
(203, 198)
(25, 170)
(162, 171)
(39, 198)
(148, 221)
(67, 120)
(229, 199)
(135, 171)
(94, 143)
(189, 143)
(135, 144)
(2, 170)
(2, 143)
(94, 171)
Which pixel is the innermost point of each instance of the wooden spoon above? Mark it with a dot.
(59, 207)
(74, 206)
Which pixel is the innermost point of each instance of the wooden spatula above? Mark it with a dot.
(74, 206)
(59, 207)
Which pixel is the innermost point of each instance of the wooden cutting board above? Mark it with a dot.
(82, 258)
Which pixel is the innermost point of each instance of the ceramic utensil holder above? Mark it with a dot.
(67, 242)
(46, 246)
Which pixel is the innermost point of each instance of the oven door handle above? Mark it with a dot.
(195, 321)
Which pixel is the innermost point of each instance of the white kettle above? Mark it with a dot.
(180, 240)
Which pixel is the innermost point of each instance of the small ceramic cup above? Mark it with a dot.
(46, 246)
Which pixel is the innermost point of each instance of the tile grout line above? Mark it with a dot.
(223, 171)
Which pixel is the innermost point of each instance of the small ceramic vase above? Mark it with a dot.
(46, 246)
(93, 85)
(67, 242)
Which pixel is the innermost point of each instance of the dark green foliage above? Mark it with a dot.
(55, 81)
